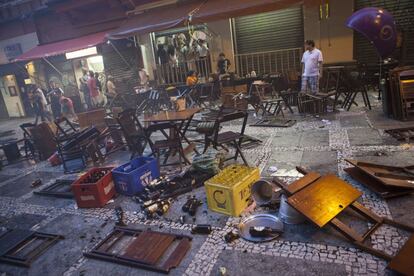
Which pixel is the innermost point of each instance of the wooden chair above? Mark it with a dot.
(65, 128)
(29, 145)
(228, 137)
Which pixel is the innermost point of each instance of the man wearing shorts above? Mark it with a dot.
(311, 68)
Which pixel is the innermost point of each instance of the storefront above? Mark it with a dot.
(64, 62)
(14, 78)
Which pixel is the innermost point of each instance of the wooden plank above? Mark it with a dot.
(365, 212)
(403, 262)
(324, 199)
(303, 182)
(148, 247)
(179, 253)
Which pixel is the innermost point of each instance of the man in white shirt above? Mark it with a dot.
(311, 68)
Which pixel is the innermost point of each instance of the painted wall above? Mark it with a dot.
(330, 35)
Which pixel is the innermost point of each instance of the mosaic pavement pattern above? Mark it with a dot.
(318, 143)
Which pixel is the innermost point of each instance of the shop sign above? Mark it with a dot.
(12, 51)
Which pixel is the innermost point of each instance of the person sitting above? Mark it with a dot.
(192, 78)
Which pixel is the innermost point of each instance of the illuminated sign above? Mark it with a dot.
(82, 53)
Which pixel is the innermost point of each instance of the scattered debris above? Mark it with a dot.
(231, 236)
(36, 183)
(203, 229)
(222, 271)
(119, 212)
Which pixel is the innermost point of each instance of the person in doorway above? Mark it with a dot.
(192, 78)
(93, 89)
(54, 95)
(98, 82)
(223, 64)
(84, 88)
(311, 68)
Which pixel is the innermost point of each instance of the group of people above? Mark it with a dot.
(91, 88)
(51, 106)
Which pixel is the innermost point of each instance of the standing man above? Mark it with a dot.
(54, 95)
(223, 64)
(311, 68)
(84, 88)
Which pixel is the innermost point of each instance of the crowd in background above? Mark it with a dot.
(53, 104)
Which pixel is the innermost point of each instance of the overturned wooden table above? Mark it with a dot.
(322, 198)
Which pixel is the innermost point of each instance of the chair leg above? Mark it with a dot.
(238, 149)
(206, 145)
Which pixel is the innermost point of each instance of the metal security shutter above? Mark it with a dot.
(403, 12)
(125, 75)
(282, 29)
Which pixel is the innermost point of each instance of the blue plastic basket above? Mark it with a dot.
(131, 178)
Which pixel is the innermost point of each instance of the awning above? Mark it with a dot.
(202, 12)
(61, 47)
(155, 20)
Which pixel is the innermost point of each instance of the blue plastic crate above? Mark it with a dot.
(131, 178)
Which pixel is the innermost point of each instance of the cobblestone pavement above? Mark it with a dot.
(318, 143)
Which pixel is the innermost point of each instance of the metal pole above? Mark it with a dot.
(51, 65)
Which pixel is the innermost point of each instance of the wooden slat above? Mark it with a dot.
(346, 230)
(148, 247)
(303, 182)
(179, 253)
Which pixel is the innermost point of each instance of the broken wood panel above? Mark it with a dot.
(388, 175)
(376, 186)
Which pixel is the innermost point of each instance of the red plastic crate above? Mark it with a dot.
(94, 195)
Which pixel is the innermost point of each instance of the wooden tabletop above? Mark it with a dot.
(324, 199)
(169, 116)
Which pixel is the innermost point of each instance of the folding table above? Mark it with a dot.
(322, 198)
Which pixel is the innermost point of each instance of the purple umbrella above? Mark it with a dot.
(378, 26)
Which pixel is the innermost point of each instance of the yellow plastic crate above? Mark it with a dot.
(229, 191)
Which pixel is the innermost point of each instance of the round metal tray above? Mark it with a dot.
(266, 220)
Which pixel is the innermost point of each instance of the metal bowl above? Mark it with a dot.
(266, 220)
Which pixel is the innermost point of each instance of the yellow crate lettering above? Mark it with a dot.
(228, 192)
